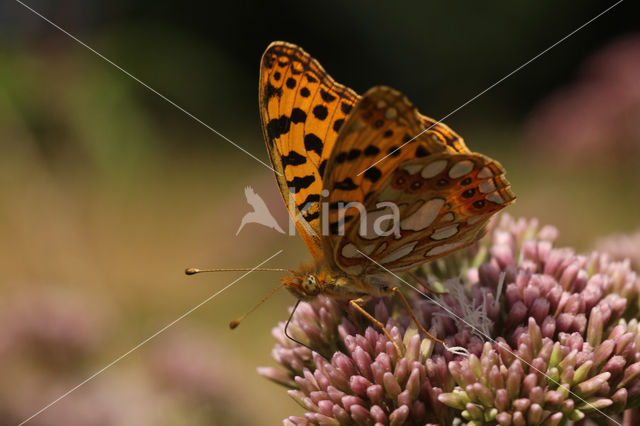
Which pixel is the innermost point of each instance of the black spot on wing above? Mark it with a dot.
(306, 204)
(320, 112)
(346, 108)
(313, 143)
(478, 204)
(373, 174)
(277, 75)
(353, 154)
(270, 91)
(394, 151)
(304, 92)
(278, 127)
(293, 159)
(268, 61)
(387, 133)
(311, 216)
(298, 183)
(311, 79)
(341, 157)
(334, 227)
(350, 155)
(326, 96)
(298, 116)
(322, 166)
(346, 185)
(291, 82)
(337, 124)
(421, 151)
(371, 150)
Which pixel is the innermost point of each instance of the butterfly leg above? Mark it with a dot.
(397, 291)
(356, 304)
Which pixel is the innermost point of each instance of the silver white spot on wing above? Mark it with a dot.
(443, 248)
(460, 169)
(350, 251)
(475, 219)
(495, 198)
(372, 217)
(485, 172)
(433, 169)
(424, 216)
(446, 232)
(447, 217)
(399, 253)
(412, 168)
(487, 186)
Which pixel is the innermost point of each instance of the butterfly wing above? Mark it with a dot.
(442, 198)
(302, 109)
(444, 134)
(370, 147)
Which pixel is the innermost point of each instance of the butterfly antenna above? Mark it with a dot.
(193, 271)
(286, 326)
(233, 324)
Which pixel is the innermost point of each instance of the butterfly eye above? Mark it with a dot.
(310, 285)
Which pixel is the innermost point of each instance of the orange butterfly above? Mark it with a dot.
(362, 198)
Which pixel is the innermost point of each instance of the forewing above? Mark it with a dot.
(383, 130)
(302, 109)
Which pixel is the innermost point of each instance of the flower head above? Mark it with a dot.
(552, 336)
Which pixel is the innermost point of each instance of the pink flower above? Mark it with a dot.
(553, 337)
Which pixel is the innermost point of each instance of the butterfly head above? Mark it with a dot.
(305, 285)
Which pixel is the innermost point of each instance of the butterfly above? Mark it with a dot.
(372, 185)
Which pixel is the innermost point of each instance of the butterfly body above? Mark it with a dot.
(306, 284)
(372, 185)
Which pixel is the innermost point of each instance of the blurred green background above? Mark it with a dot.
(108, 192)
